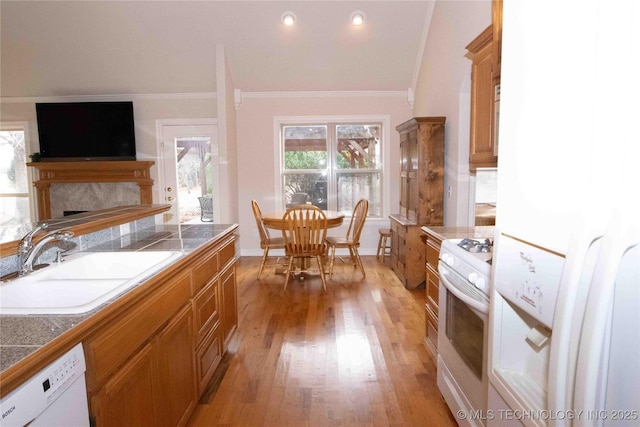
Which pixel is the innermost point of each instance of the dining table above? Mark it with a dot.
(273, 220)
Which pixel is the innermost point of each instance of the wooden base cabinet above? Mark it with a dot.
(432, 290)
(157, 386)
(407, 251)
(151, 358)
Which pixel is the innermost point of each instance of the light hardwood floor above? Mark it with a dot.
(351, 357)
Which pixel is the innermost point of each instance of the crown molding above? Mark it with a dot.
(327, 94)
(115, 97)
(238, 96)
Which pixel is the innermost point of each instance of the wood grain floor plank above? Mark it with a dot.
(353, 356)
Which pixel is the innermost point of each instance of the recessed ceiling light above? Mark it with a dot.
(288, 18)
(357, 17)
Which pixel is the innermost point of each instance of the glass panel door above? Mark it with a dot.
(189, 173)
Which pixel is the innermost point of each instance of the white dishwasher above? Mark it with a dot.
(55, 396)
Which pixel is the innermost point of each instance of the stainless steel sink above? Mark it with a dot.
(82, 282)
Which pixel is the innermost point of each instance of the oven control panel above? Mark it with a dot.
(528, 276)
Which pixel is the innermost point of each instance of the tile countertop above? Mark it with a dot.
(21, 335)
(445, 233)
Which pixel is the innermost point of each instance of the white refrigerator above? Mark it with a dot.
(565, 297)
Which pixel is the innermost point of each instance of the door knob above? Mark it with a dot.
(171, 199)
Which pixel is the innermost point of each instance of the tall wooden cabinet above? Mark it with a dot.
(421, 195)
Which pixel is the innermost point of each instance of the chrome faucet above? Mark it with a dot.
(27, 252)
(26, 244)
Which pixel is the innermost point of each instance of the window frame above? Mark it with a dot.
(332, 122)
(30, 194)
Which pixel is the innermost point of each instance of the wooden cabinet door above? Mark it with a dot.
(176, 371)
(157, 387)
(407, 144)
(422, 170)
(128, 398)
(481, 149)
(229, 304)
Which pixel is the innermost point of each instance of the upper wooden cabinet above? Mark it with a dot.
(496, 18)
(422, 170)
(482, 150)
(486, 53)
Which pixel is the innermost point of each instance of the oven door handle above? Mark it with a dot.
(477, 305)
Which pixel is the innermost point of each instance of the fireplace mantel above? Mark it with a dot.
(89, 172)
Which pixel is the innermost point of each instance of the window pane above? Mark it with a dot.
(14, 184)
(13, 168)
(193, 157)
(333, 165)
(305, 147)
(358, 147)
(355, 186)
(302, 188)
(14, 211)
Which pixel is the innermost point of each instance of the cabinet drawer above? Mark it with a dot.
(203, 272)
(432, 291)
(111, 348)
(432, 327)
(208, 357)
(227, 253)
(207, 309)
(433, 252)
(399, 230)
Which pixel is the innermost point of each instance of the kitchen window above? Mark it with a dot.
(332, 165)
(14, 177)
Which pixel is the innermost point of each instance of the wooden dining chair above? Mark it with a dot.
(266, 241)
(304, 232)
(352, 239)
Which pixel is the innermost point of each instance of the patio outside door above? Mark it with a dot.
(189, 169)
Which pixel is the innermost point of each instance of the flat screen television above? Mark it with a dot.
(81, 131)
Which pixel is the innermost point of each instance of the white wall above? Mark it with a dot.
(257, 156)
(443, 89)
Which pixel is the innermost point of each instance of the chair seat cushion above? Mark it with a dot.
(274, 242)
(339, 241)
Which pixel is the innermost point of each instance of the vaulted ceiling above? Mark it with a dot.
(60, 48)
